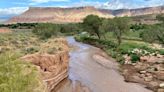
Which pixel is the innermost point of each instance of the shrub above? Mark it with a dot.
(120, 59)
(135, 58)
(31, 50)
(161, 52)
(46, 30)
(112, 53)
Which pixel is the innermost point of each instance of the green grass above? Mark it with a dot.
(18, 76)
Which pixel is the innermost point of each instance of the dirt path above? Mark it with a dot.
(91, 72)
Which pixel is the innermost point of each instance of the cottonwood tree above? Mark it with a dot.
(153, 34)
(118, 26)
(92, 24)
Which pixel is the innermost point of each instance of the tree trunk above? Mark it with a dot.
(98, 35)
(119, 40)
(104, 37)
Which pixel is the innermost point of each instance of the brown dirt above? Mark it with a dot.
(4, 30)
(149, 73)
(53, 67)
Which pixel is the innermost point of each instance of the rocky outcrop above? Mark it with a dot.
(138, 12)
(77, 14)
(53, 67)
(57, 15)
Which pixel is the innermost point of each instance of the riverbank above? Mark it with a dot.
(138, 63)
(89, 66)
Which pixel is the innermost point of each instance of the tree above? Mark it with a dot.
(70, 29)
(118, 26)
(154, 33)
(149, 34)
(92, 24)
(160, 17)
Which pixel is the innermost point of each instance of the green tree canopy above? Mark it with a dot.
(118, 26)
(92, 24)
(153, 33)
(46, 30)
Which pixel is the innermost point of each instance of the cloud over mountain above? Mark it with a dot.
(131, 4)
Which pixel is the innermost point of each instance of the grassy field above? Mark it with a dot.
(18, 76)
(15, 74)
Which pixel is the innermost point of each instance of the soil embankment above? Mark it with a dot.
(53, 67)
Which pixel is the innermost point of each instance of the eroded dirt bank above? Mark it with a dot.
(53, 67)
(90, 70)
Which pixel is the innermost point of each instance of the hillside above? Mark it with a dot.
(76, 14)
(138, 12)
(57, 15)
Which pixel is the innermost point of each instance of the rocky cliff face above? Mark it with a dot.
(77, 14)
(57, 15)
(138, 12)
(53, 67)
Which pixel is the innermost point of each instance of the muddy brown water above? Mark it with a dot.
(90, 72)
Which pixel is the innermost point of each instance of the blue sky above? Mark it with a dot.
(15, 7)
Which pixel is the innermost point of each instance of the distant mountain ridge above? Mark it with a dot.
(77, 14)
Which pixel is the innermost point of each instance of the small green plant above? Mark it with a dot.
(120, 59)
(161, 52)
(31, 50)
(135, 58)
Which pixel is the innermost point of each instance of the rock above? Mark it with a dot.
(142, 72)
(160, 90)
(134, 78)
(159, 56)
(160, 75)
(159, 67)
(127, 59)
(148, 74)
(160, 61)
(57, 15)
(153, 85)
(161, 85)
(141, 66)
(148, 79)
(142, 75)
(144, 58)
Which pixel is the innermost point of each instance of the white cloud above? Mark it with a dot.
(12, 10)
(34, 2)
(130, 4)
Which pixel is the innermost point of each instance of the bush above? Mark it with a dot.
(97, 42)
(120, 59)
(135, 58)
(112, 53)
(31, 50)
(46, 30)
(161, 52)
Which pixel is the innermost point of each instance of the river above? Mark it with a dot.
(91, 70)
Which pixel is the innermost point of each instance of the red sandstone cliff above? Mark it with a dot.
(57, 15)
